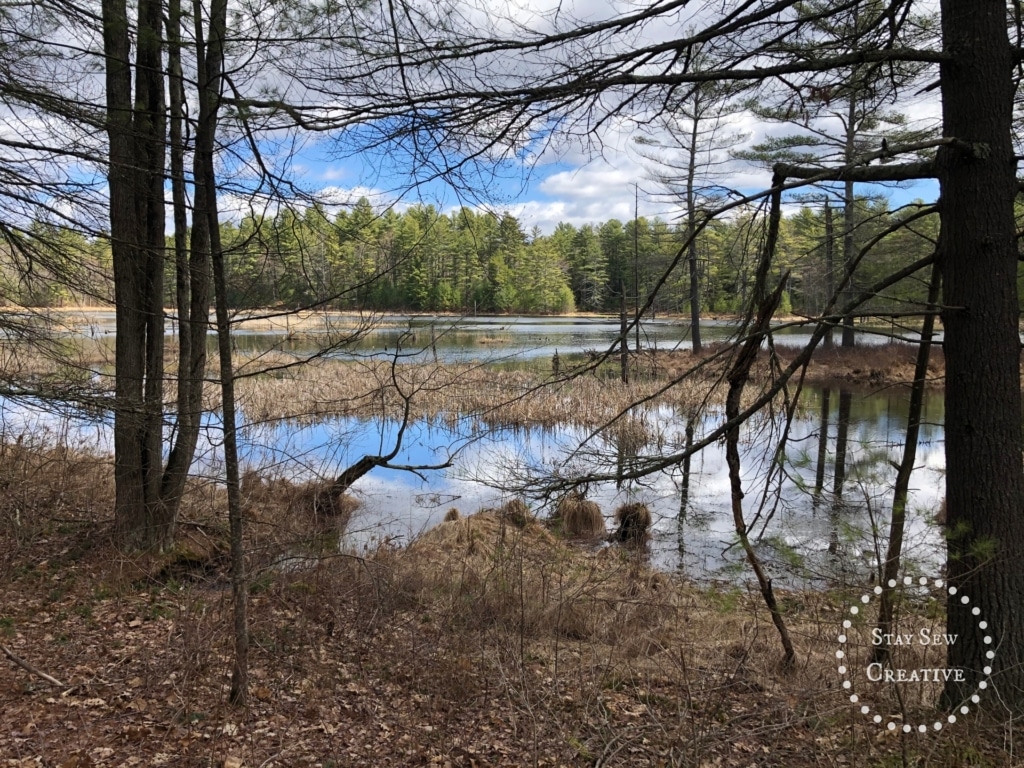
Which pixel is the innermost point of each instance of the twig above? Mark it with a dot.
(28, 667)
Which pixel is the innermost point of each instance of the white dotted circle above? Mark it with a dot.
(848, 684)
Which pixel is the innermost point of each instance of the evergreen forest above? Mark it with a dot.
(467, 261)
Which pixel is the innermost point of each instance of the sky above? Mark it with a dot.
(576, 187)
(568, 182)
(577, 184)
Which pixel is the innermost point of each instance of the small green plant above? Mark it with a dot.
(724, 601)
(614, 683)
(262, 583)
(102, 592)
(296, 587)
(581, 749)
(6, 626)
(58, 593)
(159, 611)
(786, 553)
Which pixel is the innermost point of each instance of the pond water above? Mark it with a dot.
(819, 514)
(476, 338)
(814, 519)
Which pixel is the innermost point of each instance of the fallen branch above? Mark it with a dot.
(28, 667)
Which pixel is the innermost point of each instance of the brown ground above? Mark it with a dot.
(483, 644)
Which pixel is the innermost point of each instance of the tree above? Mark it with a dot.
(692, 162)
(840, 118)
(588, 269)
(481, 97)
(136, 129)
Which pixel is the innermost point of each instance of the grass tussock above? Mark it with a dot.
(634, 520)
(315, 499)
(483, 572)
(517, 512)
(579, 517)
(285, 517)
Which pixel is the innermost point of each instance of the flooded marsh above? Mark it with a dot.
(502, 423)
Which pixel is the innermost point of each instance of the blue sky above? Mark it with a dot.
(574, 189)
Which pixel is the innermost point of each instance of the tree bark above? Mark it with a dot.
(978, 256)
(830, 275)
(148, 494)
(136, 131)
(756, 326)
(192, 291)
(849, 208)
(691, 230)
(842, 433)
(819, 470)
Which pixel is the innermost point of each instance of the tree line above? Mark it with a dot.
(423, 260)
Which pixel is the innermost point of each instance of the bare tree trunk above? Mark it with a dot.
(894, 549)
(830, 275)
(738, 375)
(849, 211)
(978, 255)
(684, 494)
(842, 438)
(136, 131)
(623, 328)
(819, 470)
(849, 254)
(192, 281)
(211, 62)
(691, 233)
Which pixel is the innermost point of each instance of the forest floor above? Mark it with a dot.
(490, 641)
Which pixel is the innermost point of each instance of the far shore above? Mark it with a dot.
(288, 320)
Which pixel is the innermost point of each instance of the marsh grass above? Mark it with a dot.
(529, 397)
(494, 397)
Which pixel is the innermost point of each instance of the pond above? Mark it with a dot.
(462, 339)
(814, 514)
(817, 515)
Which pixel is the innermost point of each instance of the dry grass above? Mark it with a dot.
(495, 397)
(313, 500)
(879, 365)
(44, 489)
(634, 520)
(481, 571)
(579, 517)
(516, 398)
(517, 512)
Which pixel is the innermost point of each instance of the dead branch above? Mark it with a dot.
(29, 668)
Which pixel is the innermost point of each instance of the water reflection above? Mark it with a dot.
(420, 338)
(804, 532)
